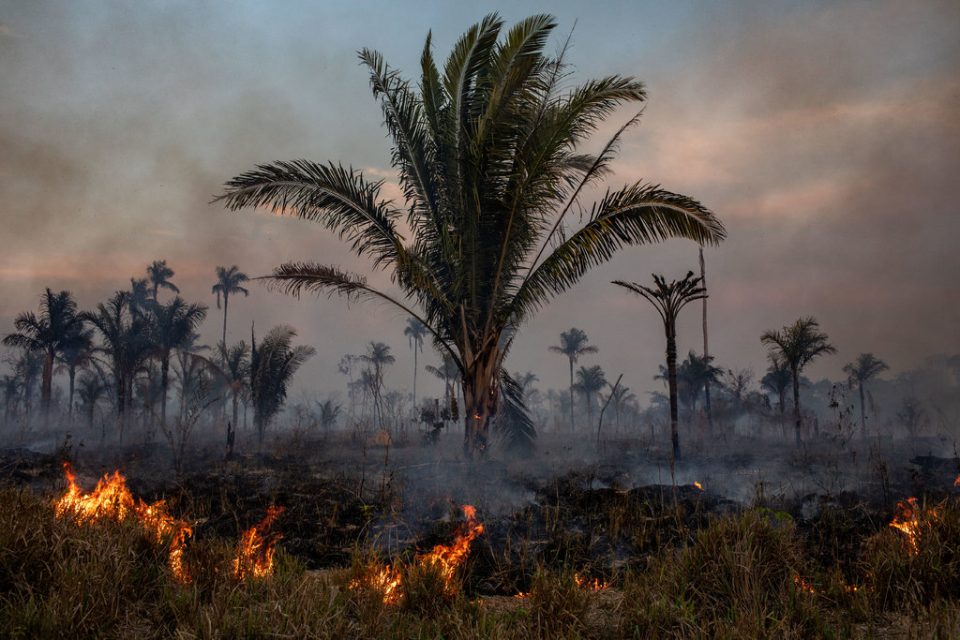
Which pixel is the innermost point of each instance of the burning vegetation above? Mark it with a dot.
(255, 549)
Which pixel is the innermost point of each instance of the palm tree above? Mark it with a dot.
(91, 388)
(706, 345)
(228, 282)
(669, 300)
(694, 375)
(415, 332)
(776, 381)
(377, 356)
(159, 274)
(329, 412)
(866, 367)
(140, 298)
(797, 345)
(489, 160)
(620, 395)
(26, 370)
(272, 366)
(448, 371)
(10, 386)
(236, 372)
(172, 326)
(573, 344)
(58, 327)
(76, 356)
(590, 382)
(126, 342)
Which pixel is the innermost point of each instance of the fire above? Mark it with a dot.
(698, 485)
(254, 556)
(594, 584)
(446, 559)
(112, 500)
(803, 585)
(956, 482)
(908, 519)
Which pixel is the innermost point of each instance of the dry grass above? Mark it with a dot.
(734, 579)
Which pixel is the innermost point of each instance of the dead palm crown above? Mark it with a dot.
(487, 151)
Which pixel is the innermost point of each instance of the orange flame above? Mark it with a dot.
(803, 585)
(594, 584)
(956, 482)
(254, 556)
(909, 518)
(112, 500)
(447, 559)
(698, 485)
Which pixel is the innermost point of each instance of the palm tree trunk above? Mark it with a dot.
(72, 372)
(796, 404)
(164, 386)
(46, 385)
(672, 384)
(863, 413)
(235, 399)
(414, 375)
(480, 402)
(706, 348)
(572, 427)
(226, 300)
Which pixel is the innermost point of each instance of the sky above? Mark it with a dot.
(825, 135)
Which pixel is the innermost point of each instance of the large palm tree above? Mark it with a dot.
(272, 365)
(573, 344)
(669, 299)
(797, 345)
(590, 382)
(865, 368)
(489, 161)
(57, 327)
(415, 332)
(172, 325)
(229, 281)
(158, 275)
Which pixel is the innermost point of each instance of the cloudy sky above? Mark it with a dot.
(826, 135)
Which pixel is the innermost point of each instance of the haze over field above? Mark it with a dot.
(825, 136)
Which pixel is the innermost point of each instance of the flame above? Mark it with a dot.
(112, 500)
(803, 585)
(908, 519)
(594, 584)
(956, 482)
(254, 556)
(698, 485)
(387, 580)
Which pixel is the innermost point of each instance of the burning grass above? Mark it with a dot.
(752, 574)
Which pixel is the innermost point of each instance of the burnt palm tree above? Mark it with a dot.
(273, 364)
(229, 281)
(57, 327)
(669, 299)
(488, 151)
(415, 332)
(172, 325)
(797, 345)
(776, 381)
(866, 367)
(590, 382)
(158, 275)
(573, 344)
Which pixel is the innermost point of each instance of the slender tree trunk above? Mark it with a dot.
(223, 341)
(572, 427)
(46, 382)
(415, 375)
(164, 386)
(796, 404)
(235, 408)
(672, 384)
(72, 372)
(863, 412)
(706, 348)
(783, 411)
